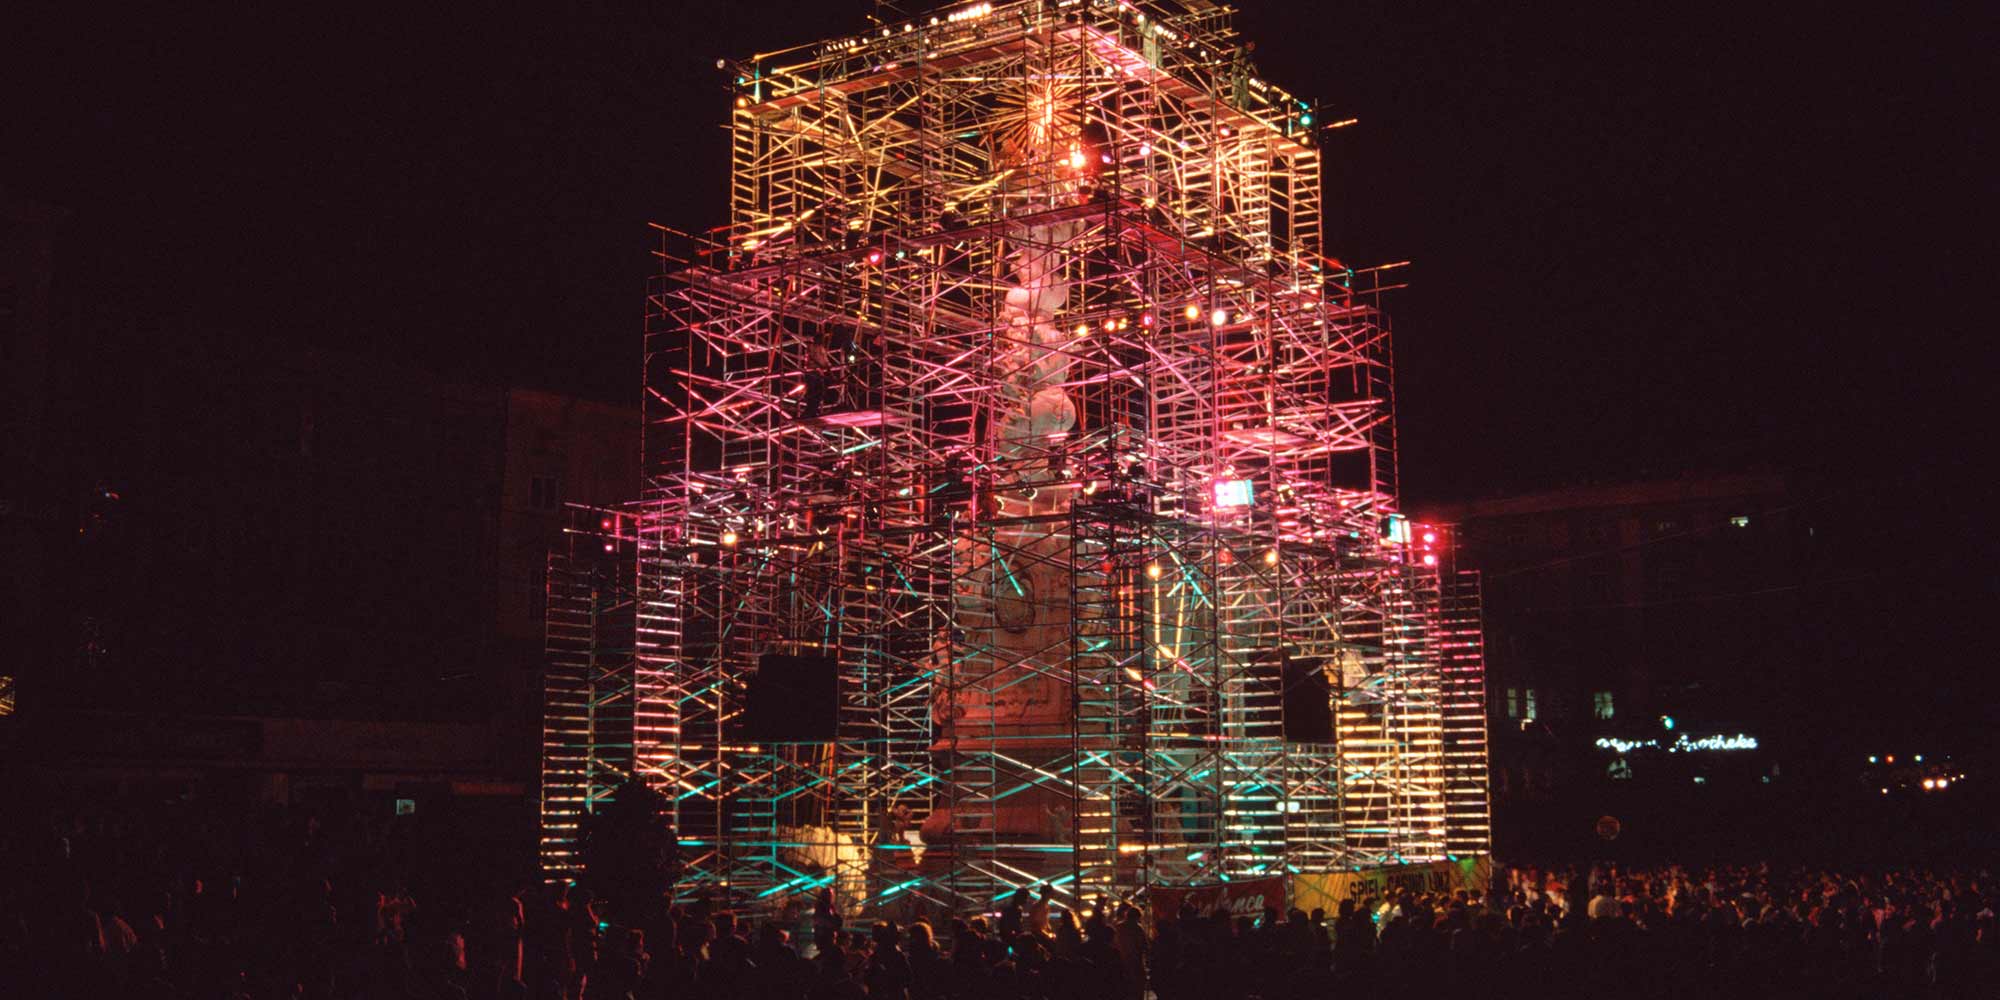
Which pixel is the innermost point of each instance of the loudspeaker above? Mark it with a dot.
(1308, 701)
(793, 699)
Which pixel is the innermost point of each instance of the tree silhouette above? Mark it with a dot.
(627, 846)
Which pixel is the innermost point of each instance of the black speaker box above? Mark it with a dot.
(1308, 702)
(793, 699)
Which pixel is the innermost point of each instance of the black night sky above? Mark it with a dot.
(1647, 238)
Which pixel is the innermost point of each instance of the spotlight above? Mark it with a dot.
(1218, 317)
(1192, 312)
(1083, 329)
(1146, 320)
(1270, 557)
(729, 539)
(605, 524)
(610, 547)
(1430, 559)
(1153, 571)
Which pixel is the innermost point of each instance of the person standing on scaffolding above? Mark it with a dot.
(822, 375)
(892, 827)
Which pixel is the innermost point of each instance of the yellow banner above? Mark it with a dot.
(1325, 890)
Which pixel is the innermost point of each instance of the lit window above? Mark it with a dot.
(6, 695)
(1601, 703)
(1528, 706)
(1513, 703)
(1740, 521)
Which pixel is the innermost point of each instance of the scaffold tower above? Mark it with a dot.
(1020, 390)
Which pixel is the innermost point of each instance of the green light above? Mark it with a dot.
(1306, 120)
(1667, 721)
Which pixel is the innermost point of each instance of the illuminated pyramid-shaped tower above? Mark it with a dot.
(1019, 432)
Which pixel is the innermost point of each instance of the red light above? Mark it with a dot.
(1430, 537)
(610, 547)
(1146, 320)
(605, 524)
(1430, 559)
(874, 256)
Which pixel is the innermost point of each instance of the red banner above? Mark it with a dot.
(1241, 898)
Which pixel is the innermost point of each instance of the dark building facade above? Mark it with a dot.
(30, 517)
(1647, 650)
(231, 554)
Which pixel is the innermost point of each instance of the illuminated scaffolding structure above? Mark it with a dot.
(588, 720)
(1019, 390)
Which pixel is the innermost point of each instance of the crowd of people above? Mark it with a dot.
(194, 901)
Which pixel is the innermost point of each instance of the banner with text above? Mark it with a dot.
(1326, 890)
(1240, 898)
